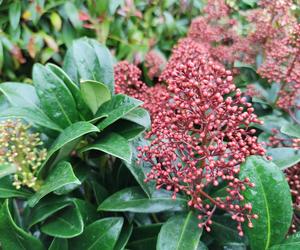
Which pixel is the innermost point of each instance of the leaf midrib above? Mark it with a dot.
(183, 229)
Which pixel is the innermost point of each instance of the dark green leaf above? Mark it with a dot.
(133, 199)
(284, 157)
(12, 236)
(115, 109)
(55, 98)
(46, 208)
(94, 94)
(60, 176)
(59, 244)
(67, 223)
(180, 232)
(14, 13)
(274, 217)
(86, 59)
(291, 243)
(291, 130)
(81, 105)
(112, 144)
(124, 237)
(69, 135)
(102, 234)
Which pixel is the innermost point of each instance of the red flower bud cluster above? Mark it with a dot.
(128, 81)
(154, 63)
(201, 136)
(217, 32)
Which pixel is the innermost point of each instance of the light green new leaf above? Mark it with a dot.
(180, 232)
(59, 176)
(12, 236)
(7, 169)
(94, 94)
(274, 217)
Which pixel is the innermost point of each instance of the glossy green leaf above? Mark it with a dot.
(139, 116)
(7, 169)
(46, 208)
(7, 190)
(31, 116)
(59, 244)
(86, 59)
(102, 234)
(291, 130)
(94, 94)
(115, 109)
(291, 243)
(12, 236)
(274, 217)
(68, 223)
(59, 176)
(124, 237)
(69, 135)
(139, 170)
(180, 232)
(284, 157)
(20, 94)
(14, 13)
(112, 144)
(80, 103)
(87, 210)
(55, 98)
(133, 199)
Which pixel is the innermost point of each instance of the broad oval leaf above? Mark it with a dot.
(59, 176)
(102, 234)
(87, 59)
(113, 144)
(69, 135)
(46, 208)
(180, 232)
(82, 107)
(12, 236)
(284, 157)
(68, 223)
(20, 94)
(55, 98)
(115, 109)
(94, 94)
(291, 130)
(31, 116)
(139, 116)
(133, 199)
(274, 217)
(124, 237)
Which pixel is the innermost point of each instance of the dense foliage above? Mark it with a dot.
(150, 125)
